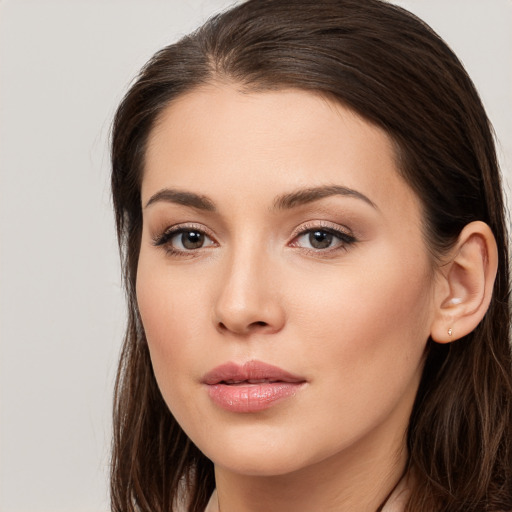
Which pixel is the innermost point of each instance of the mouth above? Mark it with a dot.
(252, 372)
(251, 387)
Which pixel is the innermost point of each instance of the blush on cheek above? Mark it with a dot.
(380, 319)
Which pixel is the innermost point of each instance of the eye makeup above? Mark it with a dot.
(322, 238)
(184, 239)
(319, 238)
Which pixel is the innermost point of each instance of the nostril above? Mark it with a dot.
(240, 328)
(257, 326)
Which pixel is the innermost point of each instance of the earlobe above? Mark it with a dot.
(465, 285)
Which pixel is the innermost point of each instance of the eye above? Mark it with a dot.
(319, 239)
(323, 239)
(189, 240)
(182, 240)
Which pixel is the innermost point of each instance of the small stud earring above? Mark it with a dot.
(450, 332)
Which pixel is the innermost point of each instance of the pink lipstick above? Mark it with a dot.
(252, 387)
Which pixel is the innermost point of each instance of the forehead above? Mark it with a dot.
(221, 142)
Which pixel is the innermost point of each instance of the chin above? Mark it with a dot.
(260, 464)
(263, 453)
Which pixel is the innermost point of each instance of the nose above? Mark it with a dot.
(248, 300)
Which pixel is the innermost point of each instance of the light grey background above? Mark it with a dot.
(64, 65)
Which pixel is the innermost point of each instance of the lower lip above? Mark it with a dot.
(251, 397)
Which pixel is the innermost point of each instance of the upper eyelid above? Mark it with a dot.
(321, 225)
(184, 226)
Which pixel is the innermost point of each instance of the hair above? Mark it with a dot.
(393, 70)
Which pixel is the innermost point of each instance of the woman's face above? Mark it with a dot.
(283, 281)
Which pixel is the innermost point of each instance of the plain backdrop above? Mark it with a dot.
(64, 65)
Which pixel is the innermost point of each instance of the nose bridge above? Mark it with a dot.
(247, 299)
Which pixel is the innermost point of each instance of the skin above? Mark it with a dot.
(352, 319)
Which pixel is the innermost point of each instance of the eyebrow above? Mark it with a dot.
(283, 202)
(309, 195)
(184, 198)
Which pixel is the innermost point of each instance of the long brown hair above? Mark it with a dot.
(392, 69)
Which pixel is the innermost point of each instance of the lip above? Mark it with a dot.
(251, 387)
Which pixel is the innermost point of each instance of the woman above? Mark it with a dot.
(309, 208)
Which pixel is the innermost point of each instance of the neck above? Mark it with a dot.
(356, 480)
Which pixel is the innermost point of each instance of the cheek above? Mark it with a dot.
(170, 314)
(371, 327)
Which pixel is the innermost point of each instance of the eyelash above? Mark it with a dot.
(163, 239)
(344, 238)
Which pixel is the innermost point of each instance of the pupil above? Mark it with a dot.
(192, 239)
(320, 239)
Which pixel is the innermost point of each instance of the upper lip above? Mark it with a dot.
(251, 371)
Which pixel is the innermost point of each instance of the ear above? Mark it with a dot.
(465, 283)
